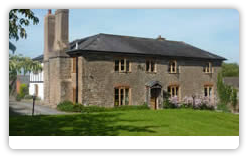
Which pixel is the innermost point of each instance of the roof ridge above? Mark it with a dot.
(127, 36)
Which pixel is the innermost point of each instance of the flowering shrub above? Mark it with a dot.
(171, 103)
(202, 103)
(174, 101)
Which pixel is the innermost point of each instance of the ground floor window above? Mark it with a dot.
(122, 95)
(208, 90)
(173, 91)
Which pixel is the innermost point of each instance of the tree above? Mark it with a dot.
(18, 64)
(227, 94)
(230, 70)
(17, 24)
(18, 20)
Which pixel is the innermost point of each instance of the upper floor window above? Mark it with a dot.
(122, 65)
(208, 68)
(173, 68)
(150, 66)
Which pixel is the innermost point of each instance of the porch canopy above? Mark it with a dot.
(154, 84)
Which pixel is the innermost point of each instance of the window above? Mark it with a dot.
(173, 91)
(127, 65)
(116, 65)
(147, 66)
(150, 66)
(122, 96)
(208, 90)
(173, 67)
(122, 65)
(208, 68)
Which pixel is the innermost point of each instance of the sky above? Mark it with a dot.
(213, 30)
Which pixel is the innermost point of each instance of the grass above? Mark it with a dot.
(171, 122)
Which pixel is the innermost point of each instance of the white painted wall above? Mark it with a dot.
(40, 90)
(36, 79)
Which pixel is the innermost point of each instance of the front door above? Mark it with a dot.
(154, 98)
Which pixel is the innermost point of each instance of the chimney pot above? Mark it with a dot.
(160, 38)
(49, 11)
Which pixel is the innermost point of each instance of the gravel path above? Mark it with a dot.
(23, 108)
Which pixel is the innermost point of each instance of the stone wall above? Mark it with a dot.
(97, 77)
(60, 80)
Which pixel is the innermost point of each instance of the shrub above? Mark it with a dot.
(187, 102)
(28, 97)
(77, 107)
(18, 97)
(66, 106)
(227, 95)
(10, 89)
(234, 98)
(23, 90)
(201, 103)
(222, 107)
(171, 103)
(168, 105)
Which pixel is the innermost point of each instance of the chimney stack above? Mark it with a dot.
(61, 41)
(49, 33)
(160, 38)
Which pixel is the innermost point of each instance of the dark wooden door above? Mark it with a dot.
(153, 103)
(153, 99)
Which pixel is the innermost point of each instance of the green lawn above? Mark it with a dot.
(172, 122)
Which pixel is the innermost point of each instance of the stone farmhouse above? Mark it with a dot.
(113, 70)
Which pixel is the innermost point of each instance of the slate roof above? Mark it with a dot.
(38, 58)
(136, 45)
(232, 81)
(12, 47)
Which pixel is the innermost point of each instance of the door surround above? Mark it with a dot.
(154, 94)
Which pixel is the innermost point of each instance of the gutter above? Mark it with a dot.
(75, 52)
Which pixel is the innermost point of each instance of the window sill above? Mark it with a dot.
(151, 72)
(123, 72)
(173, 73)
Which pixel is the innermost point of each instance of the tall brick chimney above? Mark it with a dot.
(61, 40)
(57, 64)
(160, 38)
(49, 33)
